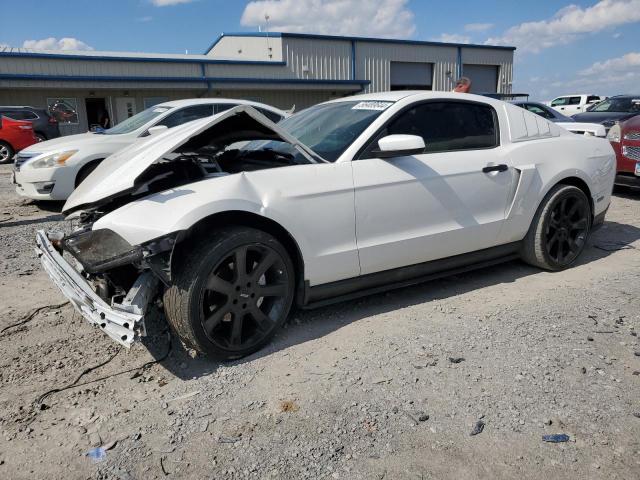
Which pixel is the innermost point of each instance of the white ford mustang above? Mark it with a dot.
(232, 220)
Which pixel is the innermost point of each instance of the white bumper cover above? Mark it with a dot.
(124, 322)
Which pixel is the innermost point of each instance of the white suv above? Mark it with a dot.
(573, 104)
(51, 170)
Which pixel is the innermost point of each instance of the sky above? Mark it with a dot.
(562, 47)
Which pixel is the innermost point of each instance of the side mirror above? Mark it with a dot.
(399, 146)
(157, 129)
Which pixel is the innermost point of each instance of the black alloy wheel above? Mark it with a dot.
(559, 230)
(244, 297)
(567, 229)
(232, 288)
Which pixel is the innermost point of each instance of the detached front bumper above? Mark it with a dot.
(123, 322)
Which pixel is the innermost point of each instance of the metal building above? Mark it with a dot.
(281, 69)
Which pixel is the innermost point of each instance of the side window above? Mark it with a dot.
(19, 115)
(538, 111)
(444, 126)
(274, 117)
(574, 100)
(560, 101)
(187, 115)
(593, 98)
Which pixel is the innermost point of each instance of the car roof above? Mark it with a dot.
(578, 95)
(397, 95)
(204, 101)
(19, 107)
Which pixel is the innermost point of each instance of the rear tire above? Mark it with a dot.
(6, 152)
(559, 230)
(231, 292)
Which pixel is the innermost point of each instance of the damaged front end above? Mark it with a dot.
(113, 284)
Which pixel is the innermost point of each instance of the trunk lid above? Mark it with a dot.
(117, 174)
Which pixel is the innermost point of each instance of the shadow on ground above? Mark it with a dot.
(33, 221)
(313, 324)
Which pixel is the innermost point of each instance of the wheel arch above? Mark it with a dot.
(93, 163)
(245, 219)
(582, 185)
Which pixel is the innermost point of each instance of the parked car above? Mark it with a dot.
(52, 170)
(573, 104)
(45, 126)
(612, 110)
(14, 136)
(234, 219)
(625, 140)
(544, 111)
(567, 123)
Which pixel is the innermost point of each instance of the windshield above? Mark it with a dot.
(618, 104)
(327, 129)
(137, 121)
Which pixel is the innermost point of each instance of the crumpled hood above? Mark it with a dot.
(70, 142)
(117, 174)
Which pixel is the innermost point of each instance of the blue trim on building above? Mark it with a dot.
(92, 78)
(357, 39)
(459, 63)
(116, 58)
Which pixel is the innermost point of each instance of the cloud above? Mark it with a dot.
(167, 3)
(616, 35)
(608, 77)
(452, 38)
(51, 43)
(478, 27)
(629, 63)
(373, 18)
(569, 24)
(144, 19)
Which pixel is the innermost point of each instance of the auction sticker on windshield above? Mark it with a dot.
(638, 168)
(372, 105)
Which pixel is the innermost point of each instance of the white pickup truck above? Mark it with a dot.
(573, 104)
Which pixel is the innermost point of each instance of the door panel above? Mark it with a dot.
(419, 208)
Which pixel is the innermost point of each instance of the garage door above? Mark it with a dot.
(411, 76)
(484, 78)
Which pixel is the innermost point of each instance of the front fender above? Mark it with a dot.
(180, 208)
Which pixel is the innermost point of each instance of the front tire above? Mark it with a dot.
(559, 230)
(230, 292)
(6, 152)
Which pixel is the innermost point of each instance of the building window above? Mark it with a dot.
(64, 110)
(411, 76)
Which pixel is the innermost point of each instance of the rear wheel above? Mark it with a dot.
(6, 152)
(231, 293)
(560, 228)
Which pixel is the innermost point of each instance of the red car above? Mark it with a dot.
(625, 140)
(14, 136)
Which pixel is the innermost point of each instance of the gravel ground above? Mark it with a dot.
(390, 386)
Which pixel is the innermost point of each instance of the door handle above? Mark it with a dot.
(495, 168)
